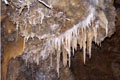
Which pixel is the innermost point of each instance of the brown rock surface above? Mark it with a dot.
(49, 30)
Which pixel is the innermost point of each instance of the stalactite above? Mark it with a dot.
(84, 45)
(74, 44)
(64, 54)
(82, 33)
(89, 41)
(68, 46)
(70, 39)
(58, 62)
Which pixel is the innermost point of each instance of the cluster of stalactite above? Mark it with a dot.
(82, 33)
(37, 22)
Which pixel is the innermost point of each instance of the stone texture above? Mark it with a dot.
(38, 23)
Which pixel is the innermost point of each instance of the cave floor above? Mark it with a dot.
(105, 61)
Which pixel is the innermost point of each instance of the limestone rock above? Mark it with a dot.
(55, 28)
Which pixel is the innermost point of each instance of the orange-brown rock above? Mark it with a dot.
(11, 50)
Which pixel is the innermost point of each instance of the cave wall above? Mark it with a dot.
(46, 34)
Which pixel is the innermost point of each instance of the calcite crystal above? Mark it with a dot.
(56, 27)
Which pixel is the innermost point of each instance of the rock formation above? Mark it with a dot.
(52, 30)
